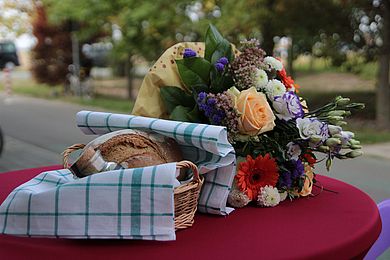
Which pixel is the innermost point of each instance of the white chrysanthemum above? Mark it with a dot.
(261, 79)
(237, 199)
(273, 63)
(268, 196)
(283, 195)
(275, 88)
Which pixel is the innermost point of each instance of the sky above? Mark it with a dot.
(25, 42)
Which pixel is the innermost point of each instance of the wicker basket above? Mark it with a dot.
(185, 196)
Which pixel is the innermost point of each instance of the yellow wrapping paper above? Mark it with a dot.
(163, 73)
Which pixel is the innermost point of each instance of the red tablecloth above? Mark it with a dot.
(328, 226)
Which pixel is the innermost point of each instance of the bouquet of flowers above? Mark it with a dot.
(276, 137)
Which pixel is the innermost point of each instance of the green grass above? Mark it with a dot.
(34, 89)
(367, 70)
(104, 102)
(354, 64)
(370, 135)
(37, 90)
(304, 65)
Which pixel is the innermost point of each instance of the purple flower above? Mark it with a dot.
(285, 180)
(201, 96)
(346, 136)
(216, 119)
(335, 149)
(324, 131)
(188, 53)
(295, 170)
(211, 101)
(221, 113)
(223, 60)
(219, 66)
(312, 129)
(219, 110)
(288, 106)
(208, 112)
(202, 106)
(298, 169)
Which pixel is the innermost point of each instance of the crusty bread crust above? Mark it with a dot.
(140, 150)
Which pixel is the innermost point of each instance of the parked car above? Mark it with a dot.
(8, 55)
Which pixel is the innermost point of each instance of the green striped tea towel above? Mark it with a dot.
(206, 137)
(205, 145)
(126, 204)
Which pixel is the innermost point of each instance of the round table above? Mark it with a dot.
(340, 225)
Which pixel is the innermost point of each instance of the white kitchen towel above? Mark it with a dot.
(123, 204)
(205, 145)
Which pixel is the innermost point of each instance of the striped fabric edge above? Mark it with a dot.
(206, 137)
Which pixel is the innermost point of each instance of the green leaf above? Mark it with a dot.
(199, 66)
(223, 49)
(220, 82)
(194, 115)
(174, 96)
(194, 72)
(212, 40)
(180, 113)
(328, 163)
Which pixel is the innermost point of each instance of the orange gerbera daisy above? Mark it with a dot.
(253, 174)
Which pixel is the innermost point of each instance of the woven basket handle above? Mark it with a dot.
(65, 154)
(190, 165)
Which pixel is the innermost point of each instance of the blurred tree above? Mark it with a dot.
(367, 25)
(372, 35)
(371, 27)
(306, 22)
(14, 18)
(144, 28)
(148, 27)
(383, 91)
(52, 53)
(239, 19)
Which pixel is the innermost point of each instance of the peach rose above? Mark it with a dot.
(308, 185)
(256, 114)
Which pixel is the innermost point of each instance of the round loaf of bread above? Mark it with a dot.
(140, 149)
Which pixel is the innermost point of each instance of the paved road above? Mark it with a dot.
(370, 174)
(37, 131)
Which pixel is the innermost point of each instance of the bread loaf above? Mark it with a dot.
(140, 149)
(128, 149)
